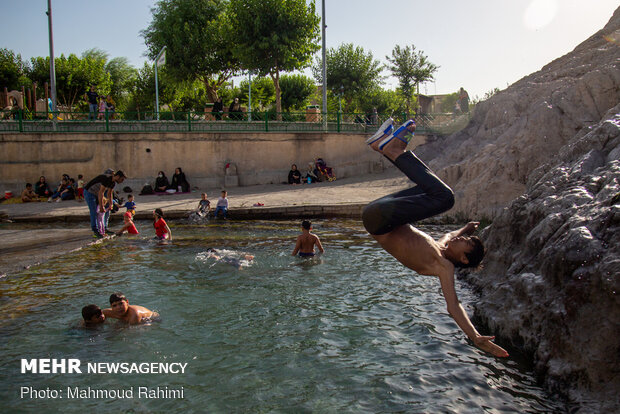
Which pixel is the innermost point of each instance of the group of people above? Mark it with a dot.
(98, 105)
(67, 189)
(119, 308)
(177, 184)
(316, 172)
(234, 110)
(389, 221)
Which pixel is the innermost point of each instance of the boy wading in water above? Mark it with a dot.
(388, 221)
(132, 314)
(306, 241)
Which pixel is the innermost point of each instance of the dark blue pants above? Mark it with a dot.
(429, 197)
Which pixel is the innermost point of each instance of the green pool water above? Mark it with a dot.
(353, 331)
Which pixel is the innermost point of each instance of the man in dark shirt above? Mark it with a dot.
(95, 190)
(92, 96)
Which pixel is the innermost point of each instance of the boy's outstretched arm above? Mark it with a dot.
(297, 247)
(319, 245)
(456, 311)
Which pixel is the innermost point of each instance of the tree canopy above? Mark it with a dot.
(273, 36)
(193, 32)
(12, 69)
(410, 68)
(350, 71)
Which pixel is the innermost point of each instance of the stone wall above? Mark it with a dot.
(259, 158)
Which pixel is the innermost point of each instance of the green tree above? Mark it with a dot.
(296, 91)
(273, 36)
(410, 68)
(350, 72)
(73, 77)
(12, 70)
(123, 77)
(263, 92)
(193, 32)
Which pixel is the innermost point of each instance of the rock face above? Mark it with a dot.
(551, 283)
(518, 129)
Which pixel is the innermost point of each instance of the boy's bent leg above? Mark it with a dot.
(429, 198)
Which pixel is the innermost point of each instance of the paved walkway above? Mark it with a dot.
(21, 247)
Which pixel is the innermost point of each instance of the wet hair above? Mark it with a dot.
(475, 256)
(117, 297)
(159, 212)
(89, 311)
(306, 224)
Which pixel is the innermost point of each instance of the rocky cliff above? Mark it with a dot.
(524, 126)
(542, 158)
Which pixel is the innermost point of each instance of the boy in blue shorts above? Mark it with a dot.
(306, 241)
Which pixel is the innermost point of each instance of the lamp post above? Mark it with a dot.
(323, 27)
(160, 56)
(250, 96)
(340, 100)
(52, 65)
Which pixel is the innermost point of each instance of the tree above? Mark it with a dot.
(12, 70)
(73, 76)
(123, 77)
(350, 71)
(296, 91)
(273, 36)
(263, 92)
(193, 32)
(411, 69)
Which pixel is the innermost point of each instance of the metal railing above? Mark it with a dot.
(24, 121)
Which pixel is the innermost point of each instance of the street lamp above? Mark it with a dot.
(340, 100)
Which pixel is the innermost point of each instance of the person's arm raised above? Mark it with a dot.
(466, 230)
(456, 311)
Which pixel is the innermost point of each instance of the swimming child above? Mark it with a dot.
(222, 205)
(162, 230)
(229, 257)
(130, 205)
(132, 314)
(128, 225)
(306, 241)
(93, 315)
(388, 219)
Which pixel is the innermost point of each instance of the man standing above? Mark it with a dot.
(388, 221)
(92, 97)
(100, 187)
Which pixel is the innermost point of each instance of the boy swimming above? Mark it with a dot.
(132, 314)
(306, 241)
(93, 315)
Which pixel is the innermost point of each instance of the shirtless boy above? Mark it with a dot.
(388, 221)
(306, 241)
(121, 309)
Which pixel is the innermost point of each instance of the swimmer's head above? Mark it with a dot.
(306, 224)
(92, 314)
(158, 212)
(119, 303)
(211, 250)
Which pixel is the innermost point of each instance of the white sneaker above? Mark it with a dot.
(58, 200)
(402, 133)
(384, 129)
(49, 200)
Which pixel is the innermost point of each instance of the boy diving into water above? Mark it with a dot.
(388, 221)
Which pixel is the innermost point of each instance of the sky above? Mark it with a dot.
(477, 44)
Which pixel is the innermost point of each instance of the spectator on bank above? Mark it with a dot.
(91, 97)
(463, 101)
(294, 176)
(234, 110)
(28, 195)
(59, 190)
(222, 205)
(102, 107)
(179, 182)
(218, 109)
(41, 187)
(161, 182)
(110, 106)
(312, 175)
(79, 194)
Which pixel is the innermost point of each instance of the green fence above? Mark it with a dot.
(309, 121)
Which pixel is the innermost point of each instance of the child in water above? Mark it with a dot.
(306, 241)
(128, 225)
(162, 230)
(232, 258)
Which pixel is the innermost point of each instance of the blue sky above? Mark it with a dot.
(478, 44)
